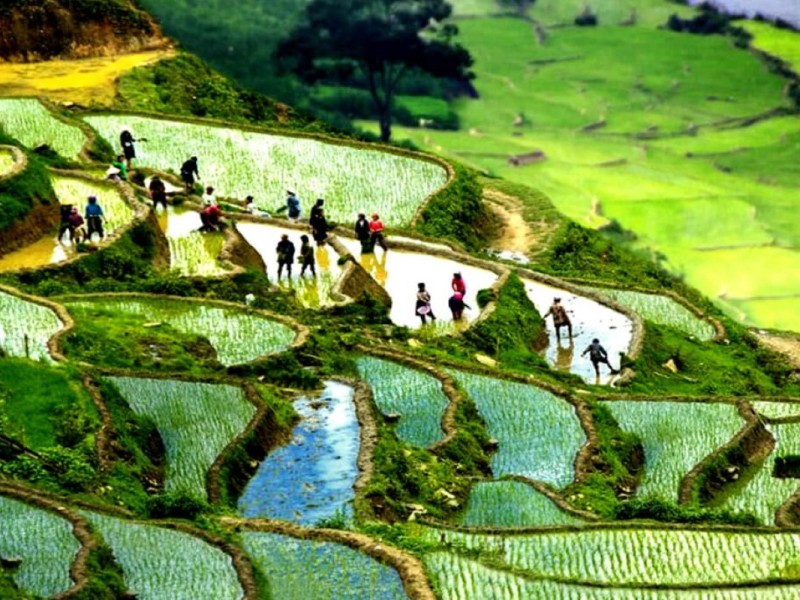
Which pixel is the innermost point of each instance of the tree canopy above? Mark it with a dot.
(381, 39)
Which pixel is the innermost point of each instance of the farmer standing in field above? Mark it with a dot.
(459, 285)
(285, 250)
(189, 173)
(318, 222)
(126, 140)
(307, 256)
(292, 206)
(362, 232)
(75, 225)
(423, 307)
(94, 218)
(158, 192)
(598, 356)
(376, 234)
(560, 318)
(209, 217)
(457, 305)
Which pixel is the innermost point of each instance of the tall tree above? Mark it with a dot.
(384, 39)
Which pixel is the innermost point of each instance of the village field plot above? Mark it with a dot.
(192, 253)
(764, 494)
(662, 310)
(237, 336)
(31, 123)
(76, 191)
(777, 410)
(311, 478)
(44, 542)
(196, 422)
(25, 327)
(460, 578)
(161, 563)
(539, 434)
(302, 569)
(512, 504)
(676, 436)
(645, 557)
(416, 396)
(240, 163)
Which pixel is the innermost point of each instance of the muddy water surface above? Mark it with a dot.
(46, 251)
(312, 477)
(589, 320)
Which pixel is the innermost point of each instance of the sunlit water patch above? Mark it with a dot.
(312, 477)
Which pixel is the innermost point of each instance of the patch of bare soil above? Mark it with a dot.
(787, 344)
(514, 232)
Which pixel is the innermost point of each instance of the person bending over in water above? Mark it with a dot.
(598, 356)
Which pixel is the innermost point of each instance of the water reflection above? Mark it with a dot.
(564, 355)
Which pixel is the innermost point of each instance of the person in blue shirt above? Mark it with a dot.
(293, 205)
(94, 218)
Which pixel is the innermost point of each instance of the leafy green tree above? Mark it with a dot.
(383, 39)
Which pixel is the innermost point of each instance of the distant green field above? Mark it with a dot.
(782, 43)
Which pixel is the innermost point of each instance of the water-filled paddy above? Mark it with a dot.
(25, 327)
(512, 504)
(313, 292)
(311, 478)
(590, 320)
(192, 252)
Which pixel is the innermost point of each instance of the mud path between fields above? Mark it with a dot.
(514, 232)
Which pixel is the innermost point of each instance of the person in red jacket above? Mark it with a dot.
(376, 232)
(459, 285)
(210, 216)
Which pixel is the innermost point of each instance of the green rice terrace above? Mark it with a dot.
(178, 422)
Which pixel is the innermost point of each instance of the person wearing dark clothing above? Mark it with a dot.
(94, 218)
(158, 192)
(423, 308)
(189, 173)
(209, 217)
(560, 318)
(126, 141)
(376, 232)
(75, 221)
(285, 250)
(319, 224)
(457, 305)
(307, 256)
(292, 205)
(362, 232)
(316, 210)
(66, 211)
(458, 284)
(598, 356)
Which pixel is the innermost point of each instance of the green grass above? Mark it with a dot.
(676, 436)
(781, 43)
(196, 422)
(649, 13)
(764, 494)
(22, 320)
(37, 398)
(416, 396)
(538, 433)
(32, 124)
(161, 563)
(512, 504)
(45, 544)
(239, 163)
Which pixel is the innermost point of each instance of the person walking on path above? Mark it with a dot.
(423, 308)
(458, 284)
(560, 318)
(126, 140)
(598, 356)
(376, 232)
(457, 305)
(285, 250)
(158, 192)
(307, 256)
(94, 218)
(209, 217)
(362, 232)
(189, 174)
(319, 224)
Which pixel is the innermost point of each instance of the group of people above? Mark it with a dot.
(424, 310)
(73, 222)
(286, 252)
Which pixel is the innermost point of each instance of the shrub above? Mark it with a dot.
(175, 505)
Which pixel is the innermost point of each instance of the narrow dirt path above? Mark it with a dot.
(514, 233)
(786, 343)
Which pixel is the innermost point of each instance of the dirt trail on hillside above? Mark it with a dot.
(514, 232)
(787, 344)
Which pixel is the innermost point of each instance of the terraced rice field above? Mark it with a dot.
(676, 436)
(413, 395)
(662, 310)
(161, 563)
(192, 253)
(512, 504)
(237, 336)
(764, 494)
(302, 569)
(196, 422)
(461, 578)
(32, 124)
(45, 544)
(21, 320)
(311, 478)
(539, 434)
(238, 163)
(400, 271)
(75, 191)
(645, 557)
(312, 292)
(590, 320)
(777, 410)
